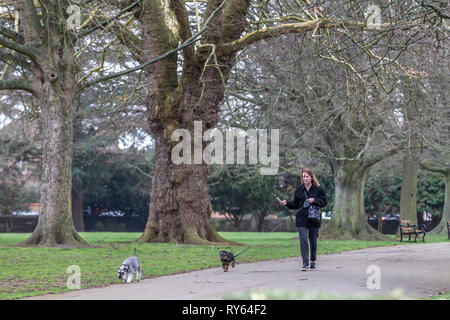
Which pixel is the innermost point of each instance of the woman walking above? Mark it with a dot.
(309, 193)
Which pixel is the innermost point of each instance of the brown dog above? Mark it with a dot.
(226, 258)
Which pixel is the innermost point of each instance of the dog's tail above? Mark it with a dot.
(134, 251)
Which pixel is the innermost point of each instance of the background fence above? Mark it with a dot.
(25, 224)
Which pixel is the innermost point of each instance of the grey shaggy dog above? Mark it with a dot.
(128, 267)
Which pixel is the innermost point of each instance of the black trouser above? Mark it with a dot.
(305, 234)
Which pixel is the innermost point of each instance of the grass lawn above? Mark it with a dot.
(35, 271)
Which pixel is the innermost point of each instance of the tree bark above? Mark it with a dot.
(55, 226)
(441, 228)
(408, 197)
(77, 183)
(54, 86)
(180, 209)
(77, 206)
(260, 217)
(349, 220)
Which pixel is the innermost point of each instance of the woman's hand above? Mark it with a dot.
(310, 200)
(283, 202)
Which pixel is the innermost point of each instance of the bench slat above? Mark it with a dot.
(407, 230)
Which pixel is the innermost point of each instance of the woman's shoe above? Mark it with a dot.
(312, 265)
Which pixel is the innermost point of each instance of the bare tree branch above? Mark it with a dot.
(15, 59)
(32, 21)
(16, 84)
(300, 27)
(12, 35)
(21, 48)
(184, 31)
(428, 167)
(372, 161)
(185, 44)
(107, 21)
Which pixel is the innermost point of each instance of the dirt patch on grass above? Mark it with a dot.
(22, 285)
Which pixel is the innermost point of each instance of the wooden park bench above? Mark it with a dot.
(407, 229)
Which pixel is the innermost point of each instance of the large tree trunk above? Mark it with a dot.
(77, 206)
(77, 183)
(349, 220)
(55, 226)
(180, 209)
(54, 86)
(441, 228)
(408, 197)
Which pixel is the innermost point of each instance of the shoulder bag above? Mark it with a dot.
(314, 212)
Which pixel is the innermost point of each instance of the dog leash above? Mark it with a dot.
(262, 238)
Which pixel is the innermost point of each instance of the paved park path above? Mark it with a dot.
(420, 270)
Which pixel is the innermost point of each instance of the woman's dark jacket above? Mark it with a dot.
(301, 218)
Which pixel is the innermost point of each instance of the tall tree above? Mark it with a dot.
(426, 117)
(336, 94)
(445, 172)
(418, 101)
(40, 44)
(408, 196)
(180, 208)
(435, 132)
(47, 49)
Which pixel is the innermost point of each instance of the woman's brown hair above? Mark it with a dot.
(310, 173)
